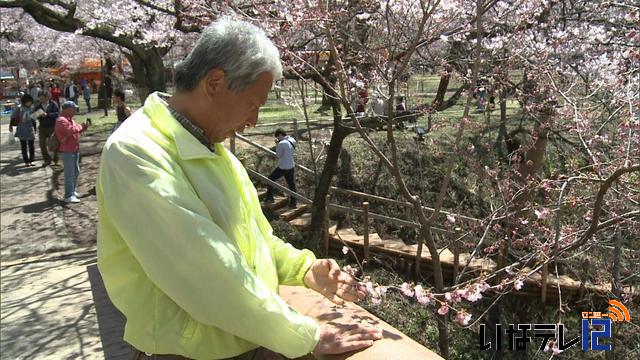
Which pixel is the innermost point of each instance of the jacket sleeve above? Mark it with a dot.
(53, 111)
(292, 264)
(188, 257)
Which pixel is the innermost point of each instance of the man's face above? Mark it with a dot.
(44, 99)
(70, 111)
(241, 108)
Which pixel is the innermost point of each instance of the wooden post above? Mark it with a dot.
(543, 286)
(326, 226)
(232, 144)
(365, 210)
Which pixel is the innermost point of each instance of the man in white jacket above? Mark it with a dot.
(286, 165)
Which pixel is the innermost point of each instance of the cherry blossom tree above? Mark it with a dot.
(143, 30)
(577, 92)
(559, 179)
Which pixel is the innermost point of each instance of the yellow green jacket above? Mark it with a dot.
(185, 251)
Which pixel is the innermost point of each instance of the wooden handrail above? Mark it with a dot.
(398, 203)
(394, 344)
(287, 123)
(343, 209)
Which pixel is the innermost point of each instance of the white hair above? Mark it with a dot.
(240, 49)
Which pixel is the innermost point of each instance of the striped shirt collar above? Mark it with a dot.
(192, 128)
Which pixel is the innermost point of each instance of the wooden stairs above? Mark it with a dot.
(404, 255)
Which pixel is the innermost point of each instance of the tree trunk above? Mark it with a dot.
(442, 90)
(154, 72)
(345, 180)
(328, 171)
(318, 208)
(148, 73)
(452, 100)
(326, 103)
(139, 80)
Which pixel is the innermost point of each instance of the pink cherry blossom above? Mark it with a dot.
(422, 296)
(518, 284)
(443, 310)
(463, 317)
(407, 289)
(542, 214)
(345, 250)
(474, 294)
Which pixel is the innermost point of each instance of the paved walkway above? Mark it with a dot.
(53, 303)
(30, 218)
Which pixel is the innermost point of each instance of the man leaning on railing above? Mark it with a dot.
(183, 247)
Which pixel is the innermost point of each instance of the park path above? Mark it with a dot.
(53, 303)
(30, 215)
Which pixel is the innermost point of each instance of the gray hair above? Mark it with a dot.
(240, 49)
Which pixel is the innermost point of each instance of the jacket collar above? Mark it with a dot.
(187, 145)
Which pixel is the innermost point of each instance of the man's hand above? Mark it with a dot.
(338, 339)
(325, 277)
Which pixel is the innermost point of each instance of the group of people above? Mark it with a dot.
(56, 120)
(71, 91)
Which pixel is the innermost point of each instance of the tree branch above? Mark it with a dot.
(597, 207)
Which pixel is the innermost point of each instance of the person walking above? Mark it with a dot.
(56, 92)
(34, 90)
(47, 127)
(25, 128)
(122, 110)
(285, 147)
(184, 250)
(71, 92)
(86, 94)
(68, 133)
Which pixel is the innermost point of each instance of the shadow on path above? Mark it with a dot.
(110, 320)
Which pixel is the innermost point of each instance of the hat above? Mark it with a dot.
(69, 104)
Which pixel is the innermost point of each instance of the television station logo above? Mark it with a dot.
(596, 328)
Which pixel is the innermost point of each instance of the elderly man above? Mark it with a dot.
(183, 247)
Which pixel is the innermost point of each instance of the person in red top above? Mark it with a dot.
(68, 132)
(55, 93)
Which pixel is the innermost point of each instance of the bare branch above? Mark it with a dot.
(597, 207)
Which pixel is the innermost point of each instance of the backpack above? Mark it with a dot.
(53, 144)
(292, 144)
(15, 117)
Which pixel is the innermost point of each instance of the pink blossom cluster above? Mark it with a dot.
(375, 291)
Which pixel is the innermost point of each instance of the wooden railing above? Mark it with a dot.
(393, 345)
(361, 195)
